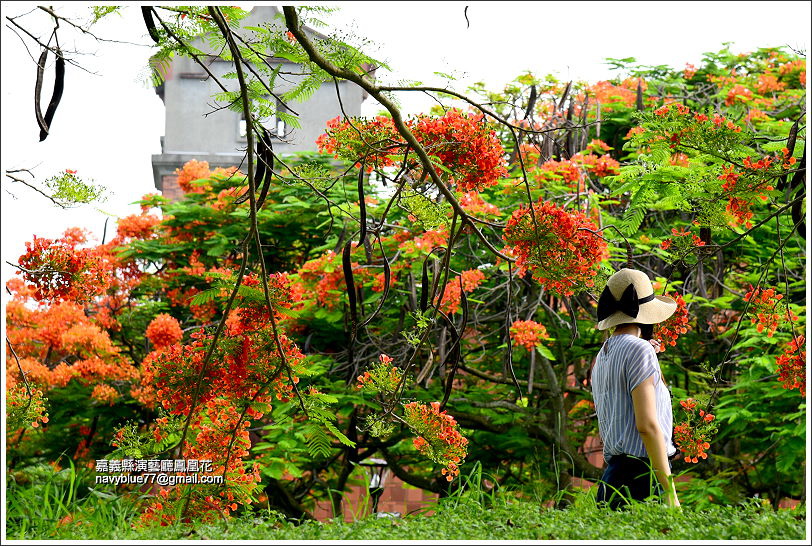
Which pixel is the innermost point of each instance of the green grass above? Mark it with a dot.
(35, 511)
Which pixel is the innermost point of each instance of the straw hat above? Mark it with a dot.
(629, 298)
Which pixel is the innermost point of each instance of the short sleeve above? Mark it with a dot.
(641, 363)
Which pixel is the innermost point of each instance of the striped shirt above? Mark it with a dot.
(623, 363)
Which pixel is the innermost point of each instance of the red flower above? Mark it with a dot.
(164, 330)
(677, 324)
(792, 365)
(762, 308)
(559, 248)
(438, 436)
(527, 333)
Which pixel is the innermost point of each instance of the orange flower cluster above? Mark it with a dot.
(23, 411)
(424, 243)
(693, 435)
(58, 271)
(553, 171)
(452, 295)
(194, 170)
(214, 426)
(792, 365)
(342, 139)
(768, 83)
(679, 159)
(528, 333)
(668, 331)
(138, 226)
(383, 376)
(326, 276)
(472, 203)
(600, 165)
(438, 436)
(681, 242)
(738, 93)
(164, 330)
(463, 143)
(58, 343)
(191, 171)
(739, 210)
(466, 145)
(763, 304)
(244, 359)
(559, 248)
(607, 93)
(105, 394)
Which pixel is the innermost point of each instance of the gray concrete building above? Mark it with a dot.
(199, 128)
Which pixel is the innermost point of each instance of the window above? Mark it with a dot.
(275, 126)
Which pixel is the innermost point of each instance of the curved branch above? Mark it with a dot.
(293, 24)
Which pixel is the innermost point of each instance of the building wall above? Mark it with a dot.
(198, 127)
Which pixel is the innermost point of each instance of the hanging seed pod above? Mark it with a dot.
(797, 213)
(362, 205)
(705, 235)
(146, 11)
(38, 90)
(56, 96)
(531, 102)
(266, 156)
(452, 357)
(387, 276)
(455, 354)
(791, 139)
(639, 95)
(564, 96)
(570, 144)
(349, 280)
(424, 286)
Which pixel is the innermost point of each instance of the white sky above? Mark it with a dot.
(108, 125)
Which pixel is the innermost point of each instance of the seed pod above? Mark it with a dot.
(570, 145)
(351, 295)
(564, 96)
(266, 163)
(387, 275)
(146, 11)
(639, 95)
(797, 213)
(454, 356)
(362, 205)
(705, 235)
(791, 139)
(531, 102)
(38, 90)
(424, 286)
(264, 160)
(798, 219)
(56, 96)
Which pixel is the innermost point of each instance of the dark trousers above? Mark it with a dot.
(626, 478)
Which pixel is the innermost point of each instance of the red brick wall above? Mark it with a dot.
(397, 497)
(171, 190)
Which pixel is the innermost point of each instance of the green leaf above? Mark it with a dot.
(545, 352)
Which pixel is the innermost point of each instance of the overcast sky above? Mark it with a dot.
(109, 124)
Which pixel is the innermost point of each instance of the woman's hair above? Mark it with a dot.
(646, 330)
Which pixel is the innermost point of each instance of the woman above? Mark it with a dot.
(635, 419)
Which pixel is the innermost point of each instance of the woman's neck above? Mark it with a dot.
(629, 329)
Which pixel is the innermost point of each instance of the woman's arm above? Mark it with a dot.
(645, 414)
